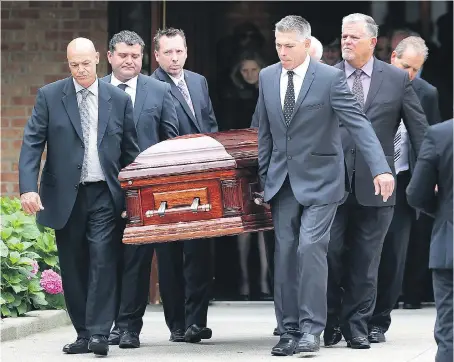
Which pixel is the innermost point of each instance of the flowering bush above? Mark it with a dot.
(25, 249)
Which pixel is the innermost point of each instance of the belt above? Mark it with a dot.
(89, 183)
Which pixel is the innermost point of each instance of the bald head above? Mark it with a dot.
(316, 48)
(82, 59)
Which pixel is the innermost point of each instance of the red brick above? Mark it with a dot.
(34, 89)
(9, 176)
(6, 144)
(17, 144)
(92, 14)
(28, 100)
(15, 189)
(3, 188)
(25, 14)
(13, 46)
(28, 57)
(13, 25)
(12, 134)
(18, 122)
(50, 78)
(43, 4)
(52, 35)
(15, 166)
(76, 24)
(13, 112)
(6, 122)
(5, 14)
(66, 4)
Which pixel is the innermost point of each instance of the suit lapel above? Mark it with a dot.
(194, 93)
(375, 83)
(308, 79)
(277, 92)
(104, 108)
(69, 100)
(141, 95)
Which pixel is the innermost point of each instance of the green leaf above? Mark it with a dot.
(51, 260)
(22, 308)
(3, 249)
(2, 301)
(30, 232)
(34, 286)
(18, 288)
(8, 297)
(5, 311)
(39, 299)
(14, 257)
(25, 261)
(16, 302)
(6, 232)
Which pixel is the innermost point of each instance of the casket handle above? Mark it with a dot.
(162, 209)
(195, 204)
(195, 207)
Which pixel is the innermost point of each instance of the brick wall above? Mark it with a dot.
(34, 36)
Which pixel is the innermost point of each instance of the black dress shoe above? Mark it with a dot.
(358, 343)
(285, 347)
(177, 336)
(376, 335)
(266, 297)
(98, 345)
(308, 343)
(114, 337)
(196, 333)
(78, 347)
(276, 332)
(129, 340)
(412, 306)
(332, 336)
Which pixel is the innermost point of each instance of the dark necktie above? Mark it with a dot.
(289, 100)
(357, 88)
(122, 86)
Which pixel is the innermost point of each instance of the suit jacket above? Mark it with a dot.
(204, 120)
(390, 99)
(428, 97)
(155, 116)
(309, 150)
(434, 167)
(55, 122)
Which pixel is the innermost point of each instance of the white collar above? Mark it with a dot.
(131, 83)
(300, 70)
(93, 88)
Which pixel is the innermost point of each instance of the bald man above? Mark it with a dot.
(316, 49)
(89, 132)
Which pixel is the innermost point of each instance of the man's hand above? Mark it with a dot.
(258, 199)
(384, 185)
(31, 203)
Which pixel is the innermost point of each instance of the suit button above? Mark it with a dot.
(76, 187)
(289, 157)
(81, 145)
(79, 167)
(352, 151)
(289, 138)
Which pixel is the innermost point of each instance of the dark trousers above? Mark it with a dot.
(185, 280)
(269, 247)
(392, 263)
(357, 237)
(443, 293)
(88, 247)
(417, 263)
(134, 286)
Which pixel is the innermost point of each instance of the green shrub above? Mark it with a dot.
(26, 250)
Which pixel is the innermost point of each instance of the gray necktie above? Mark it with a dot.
(185, 92)
(122, 86)
(398, 143)
(85, 123)
(289, 100)
(357, 88)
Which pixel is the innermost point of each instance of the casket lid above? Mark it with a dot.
(195, 153)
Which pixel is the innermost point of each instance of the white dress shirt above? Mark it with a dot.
(176, 80)
(298, 78)
(131, 86)
(94, 168)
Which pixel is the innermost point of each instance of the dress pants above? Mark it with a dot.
(300, 274)
(88, 247)
(392, 263)
(185, 281)
(357, 237)
(442, 282)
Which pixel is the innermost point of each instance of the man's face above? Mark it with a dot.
(410, 62)
(82, 64)
(291, 50)
(357, 45)
(126, 61)
(172, 54)
(331, 55)
(250, 71)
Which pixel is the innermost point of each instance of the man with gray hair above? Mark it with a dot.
(301, 169)
(156, 120)
(409, 55)
(362, 221)
(316, 49)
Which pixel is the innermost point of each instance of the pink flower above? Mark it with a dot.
(51, 282)
(34, 270)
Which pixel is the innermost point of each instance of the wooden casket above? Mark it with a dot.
(194, 186)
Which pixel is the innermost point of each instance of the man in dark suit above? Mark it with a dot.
(409, 55)
(156, 120)
(185, 274)
(361, 222)
(301, 168)
(89, 131)
(430, 191)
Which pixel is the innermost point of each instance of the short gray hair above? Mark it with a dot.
(127, 37)
(416, 43)
(317, 47)
(294, 23)
(369, 22)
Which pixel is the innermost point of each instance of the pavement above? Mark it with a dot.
(242, 331)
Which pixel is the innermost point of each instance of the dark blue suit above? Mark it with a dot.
(185, 282)
(155, 120)
(86, 217)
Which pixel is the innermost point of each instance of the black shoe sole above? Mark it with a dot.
(77, 352)
(377, 340)
(358, 347)
(281, 354)
(99, 350)
(114, 342)
(128, 345)
(181, 339)
(204, 334)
